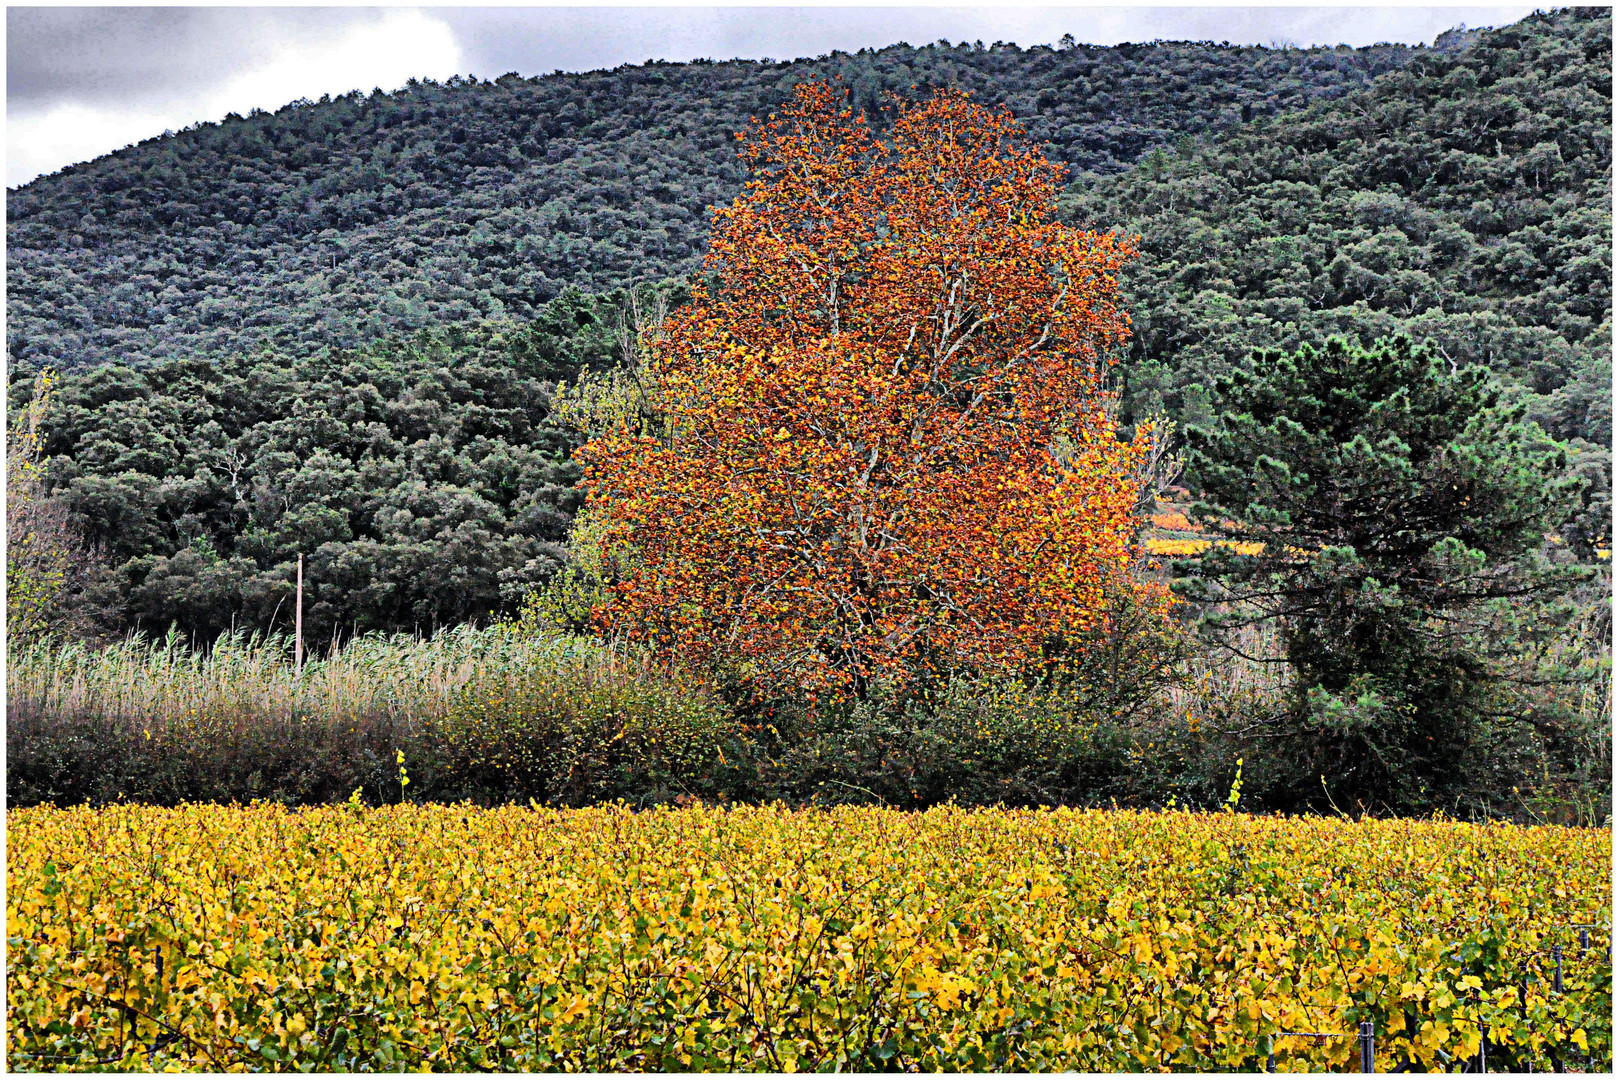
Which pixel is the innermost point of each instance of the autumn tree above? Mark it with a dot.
(887, 445)
(48, 565)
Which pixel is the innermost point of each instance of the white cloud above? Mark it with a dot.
(399, 46)
(68, 133)
(387, 51)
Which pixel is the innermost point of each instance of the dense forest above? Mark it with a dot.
(390, 418)
(423, 479)
(338, 222)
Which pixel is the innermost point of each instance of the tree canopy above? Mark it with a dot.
(1465, 200)
(1401, 204)
(1386, 500)
(887, 445)
(423, 479)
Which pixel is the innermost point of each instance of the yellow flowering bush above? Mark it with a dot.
(450, 937)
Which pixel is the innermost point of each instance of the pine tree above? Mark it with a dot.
(1400, 512)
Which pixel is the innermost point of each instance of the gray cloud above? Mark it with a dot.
(103, 55)
(84, 82)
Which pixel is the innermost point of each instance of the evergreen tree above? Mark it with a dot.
(1392, 514)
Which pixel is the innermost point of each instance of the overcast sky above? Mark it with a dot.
(81, 82)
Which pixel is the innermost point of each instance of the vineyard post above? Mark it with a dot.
(1368, 1061)
(1557, 968)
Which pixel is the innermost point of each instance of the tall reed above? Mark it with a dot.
(154, 720)
(156, 684)
(513, 713)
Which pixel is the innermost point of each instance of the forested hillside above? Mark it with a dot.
(1465, 200)
(337, 222)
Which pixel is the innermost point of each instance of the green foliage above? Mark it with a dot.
(567, 728)
(974, 741)
(568, 601)
(500, 715)
(1401, 510)
(353, 329)
(423, 479)
(343, 221)
(36, 560)
(1465, 199)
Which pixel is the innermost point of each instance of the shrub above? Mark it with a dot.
(977, 742)
(512, 714)
(574, 724)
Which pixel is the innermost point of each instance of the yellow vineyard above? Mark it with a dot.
(452, 937)
(1184, 537)
(1191, 545)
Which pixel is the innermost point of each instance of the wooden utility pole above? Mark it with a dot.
(298, 622)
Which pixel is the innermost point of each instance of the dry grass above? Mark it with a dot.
(157, 684)
(154, 721)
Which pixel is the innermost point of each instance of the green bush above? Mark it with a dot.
(567, 727)
(975, 742)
